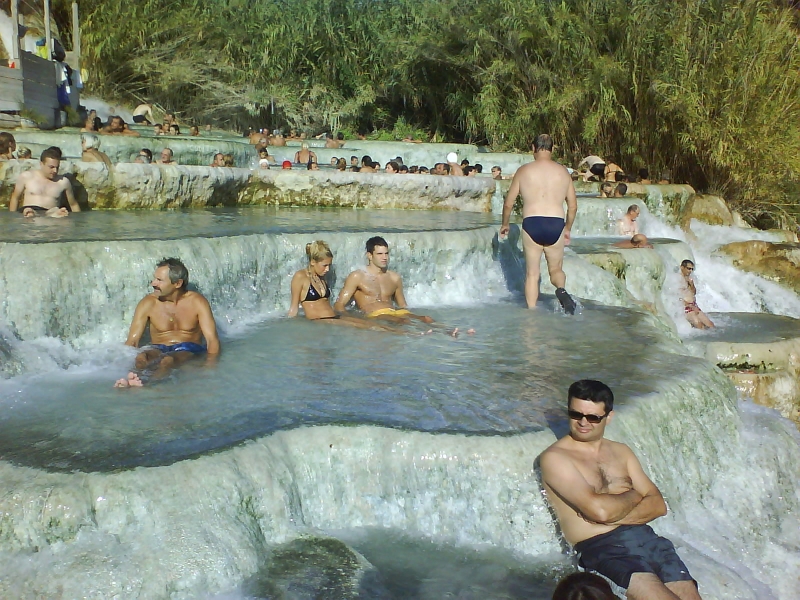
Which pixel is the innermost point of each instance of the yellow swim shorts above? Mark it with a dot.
(390, 312)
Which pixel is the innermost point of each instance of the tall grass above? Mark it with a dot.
(705, 88)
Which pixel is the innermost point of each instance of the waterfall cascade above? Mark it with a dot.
(452, 464)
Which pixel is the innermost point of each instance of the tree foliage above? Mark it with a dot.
(705, 88)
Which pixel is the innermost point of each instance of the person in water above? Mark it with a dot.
(627, 225)
(603, 501)
(377, 290)
(583, 586)
(637, 241)
(41, 190)
(179, 321)
(696, 317)
(312, 292)
(544, 186)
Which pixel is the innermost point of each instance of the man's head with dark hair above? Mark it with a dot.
(398, 160)
(478, 168)
(340, 136)
(543, 143)
(329, 136)
(620, 190)
(148, 153)
(366, 160)
(53, 152)
(593, 391)
(50, 161)
(644, 174)
(465, 163)
(177, 271)
(403, 169)
(469, 170)
(633, 209)
(376, 241)
(354, 161)
(687, 263)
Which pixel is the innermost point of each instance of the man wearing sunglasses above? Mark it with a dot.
(604, 500)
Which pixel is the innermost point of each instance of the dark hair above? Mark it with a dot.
(340, 136)
(398, 160)
(51, 152)
(606, 185)
(644, 173)
(147, 153)
(329, 136)
(686, 263)
(633, 208)
(465, 163)
(413, 169)
(376, 241)
(622, 188)
(6, 139)
(394, 165)
(177, 129)
(98, 123)
(544, 142)
(583, 586)
(446, 168)
(468, 170)
(354, 156)
(479, 167)
(592, 390)
(177, 270)
(424, 169)
(403, 169)
(366, 160)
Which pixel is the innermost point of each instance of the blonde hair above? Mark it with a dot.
(317, 251)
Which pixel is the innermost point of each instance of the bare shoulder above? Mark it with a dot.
(65, 183)
(355, 276)
(554, 455)
(197, 299)
(617, 448)
(147, 303)
(394, 276)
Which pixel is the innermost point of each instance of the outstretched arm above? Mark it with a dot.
(350, 287)
(564, 479)
(508, 205)
(208, 326)
(139, 322)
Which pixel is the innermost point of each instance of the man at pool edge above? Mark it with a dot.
(179, 320)
(544, 186)
(603, 500)
(377, 290)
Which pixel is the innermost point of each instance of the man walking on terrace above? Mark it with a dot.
(544, 186)
(603, 501)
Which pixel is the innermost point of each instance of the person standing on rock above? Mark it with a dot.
(696, 317)
(544, 186)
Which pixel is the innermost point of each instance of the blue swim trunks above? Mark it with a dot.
(630, 549)
(545, 231)
(182, 347)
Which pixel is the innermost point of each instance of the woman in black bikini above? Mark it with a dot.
(310, 290)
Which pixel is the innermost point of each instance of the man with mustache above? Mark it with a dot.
(179, 320)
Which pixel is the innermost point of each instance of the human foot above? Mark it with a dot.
(132, 381)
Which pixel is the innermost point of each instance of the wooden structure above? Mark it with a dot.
(30, 82)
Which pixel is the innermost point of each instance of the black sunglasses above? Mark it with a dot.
(578, 416)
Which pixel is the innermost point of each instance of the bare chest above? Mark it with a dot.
(171, 317)
(40, 186)
(607, 475)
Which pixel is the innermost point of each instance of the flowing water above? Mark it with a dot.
(414, 450)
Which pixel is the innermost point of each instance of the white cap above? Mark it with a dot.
(452, 157)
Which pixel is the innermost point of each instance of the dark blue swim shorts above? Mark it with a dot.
(630, 549)
(182, 347)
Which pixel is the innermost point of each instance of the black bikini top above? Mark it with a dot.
(313, 294)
